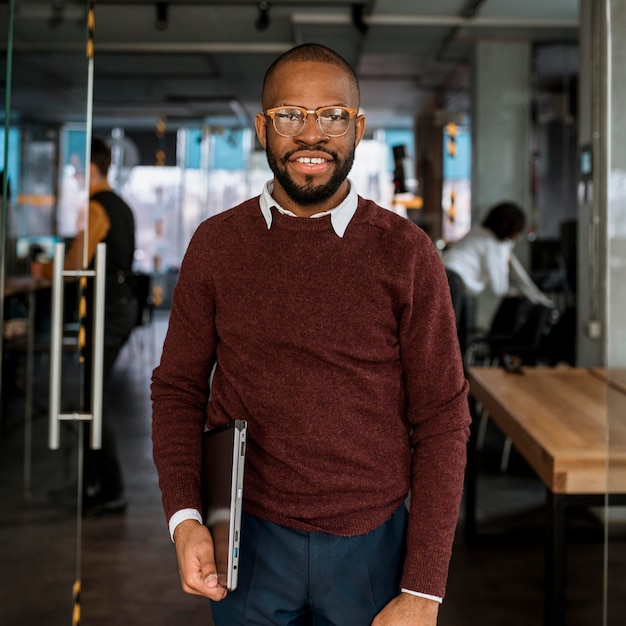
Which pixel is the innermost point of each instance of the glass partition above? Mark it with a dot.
(42, 196)
(37, 485)
(616, 307)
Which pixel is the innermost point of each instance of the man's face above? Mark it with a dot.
(315, 189)
(311, 168)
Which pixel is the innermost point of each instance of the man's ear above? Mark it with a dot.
(359, 125)
(260, 124)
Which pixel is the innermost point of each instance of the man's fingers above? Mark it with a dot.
(196, 562)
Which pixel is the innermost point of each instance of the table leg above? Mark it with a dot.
(555, 560)
(28, 403)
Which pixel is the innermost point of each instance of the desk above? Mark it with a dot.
(556, 419)
(616, 378)
(26, 286)
(16, 285)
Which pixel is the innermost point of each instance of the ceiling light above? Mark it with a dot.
(161, 20)
(263, 20)
(358, 18)
(57, 14)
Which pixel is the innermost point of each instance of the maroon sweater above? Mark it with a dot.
(342, 355)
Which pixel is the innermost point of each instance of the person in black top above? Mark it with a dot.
(110, 221)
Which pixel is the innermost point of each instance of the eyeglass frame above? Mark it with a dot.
(271, 113)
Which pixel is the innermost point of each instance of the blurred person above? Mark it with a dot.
(484, 260)
(329, 322)
(111, 221)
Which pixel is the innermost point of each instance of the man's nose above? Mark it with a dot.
(312, 131)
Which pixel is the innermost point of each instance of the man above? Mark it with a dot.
(330, 324)
(110, 221)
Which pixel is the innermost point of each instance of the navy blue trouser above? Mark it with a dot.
(293, 578)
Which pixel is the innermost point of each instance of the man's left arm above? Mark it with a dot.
(438, 412)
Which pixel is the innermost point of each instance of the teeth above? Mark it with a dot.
(310, 161)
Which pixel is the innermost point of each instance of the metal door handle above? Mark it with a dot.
(56, 348)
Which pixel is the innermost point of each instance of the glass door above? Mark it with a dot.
(614, 53)
(40, 513)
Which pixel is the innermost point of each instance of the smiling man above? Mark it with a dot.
(325, 322)
(311, 150)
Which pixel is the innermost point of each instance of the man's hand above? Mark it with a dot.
(408, 610)
(196, 560)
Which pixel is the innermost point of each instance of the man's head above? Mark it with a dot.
(100, 156)
(505, 220)
(309, 53)
(310, 157)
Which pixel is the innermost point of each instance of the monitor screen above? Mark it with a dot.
(29, 245)
(586, 161)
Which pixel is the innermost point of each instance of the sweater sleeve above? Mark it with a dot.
(525, 284)
(438, 413)
(180, 383)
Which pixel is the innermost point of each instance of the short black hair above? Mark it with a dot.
(313, 53)
(506, 220)
(101, 155)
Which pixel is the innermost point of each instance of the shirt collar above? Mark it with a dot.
(340, 216)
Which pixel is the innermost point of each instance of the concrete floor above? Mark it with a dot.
(127, 566)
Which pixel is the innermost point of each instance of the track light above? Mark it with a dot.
(161, 20)
(263, 20)
(57, 14)
(358, 18)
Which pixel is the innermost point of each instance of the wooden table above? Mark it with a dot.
(26, 286)
(615, 377)
(15, 285)
(556, 419)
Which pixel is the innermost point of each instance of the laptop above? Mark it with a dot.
(223, 458)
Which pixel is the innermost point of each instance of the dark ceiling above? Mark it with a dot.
(204, 61)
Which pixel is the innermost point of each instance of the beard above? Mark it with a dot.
(310, 194)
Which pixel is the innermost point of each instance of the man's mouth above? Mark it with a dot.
(311, 161)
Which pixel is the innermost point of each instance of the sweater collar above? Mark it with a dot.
(340, 216)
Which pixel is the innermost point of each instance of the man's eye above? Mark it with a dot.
(334, 116)
(289, 116)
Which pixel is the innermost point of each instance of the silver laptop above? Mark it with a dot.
(223, 458)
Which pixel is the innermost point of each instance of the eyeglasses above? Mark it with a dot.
(290, 121)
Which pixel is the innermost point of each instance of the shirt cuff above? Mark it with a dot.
(181, 516)
(423, 595)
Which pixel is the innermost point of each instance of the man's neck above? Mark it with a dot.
(98, 182)
(288, 204)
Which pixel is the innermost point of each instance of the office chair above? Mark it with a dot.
(142, 287)
(527, 325)
(506, 321)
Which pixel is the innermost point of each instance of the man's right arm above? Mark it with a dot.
(179, 393)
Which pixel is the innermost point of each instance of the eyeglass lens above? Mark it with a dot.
(333, 121)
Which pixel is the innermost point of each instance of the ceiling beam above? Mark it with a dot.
(435, 20)
(343, 16)
(182, 47)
